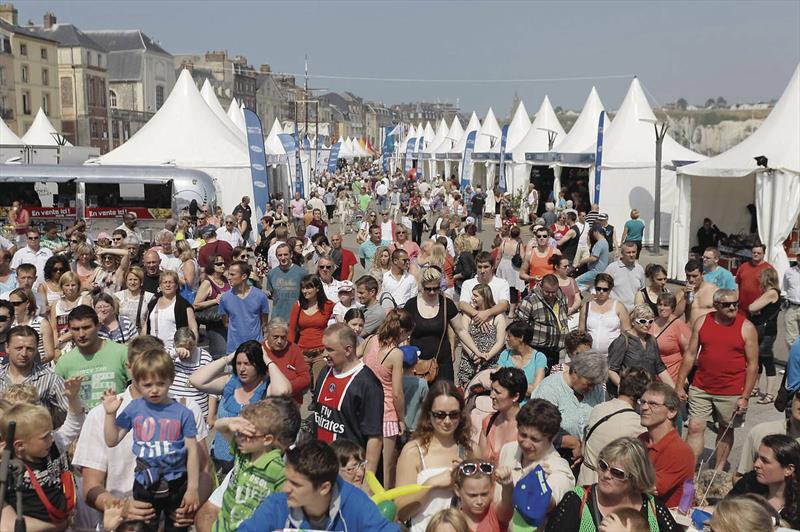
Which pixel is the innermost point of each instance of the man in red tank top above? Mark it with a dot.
(725, 345)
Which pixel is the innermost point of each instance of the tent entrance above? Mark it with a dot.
(576, 181)
(542, 179)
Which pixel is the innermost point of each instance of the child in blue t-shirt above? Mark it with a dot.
(164, 439)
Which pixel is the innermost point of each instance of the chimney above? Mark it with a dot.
(9, 13)
(265, 69)
(49, 20)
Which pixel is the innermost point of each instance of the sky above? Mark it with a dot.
(449, 50)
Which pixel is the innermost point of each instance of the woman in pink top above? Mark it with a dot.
(509, 392)
(381, 354)
(671, 333)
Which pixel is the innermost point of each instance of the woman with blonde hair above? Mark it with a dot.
(26, 313)
(489, 338)
(85, 267)
(168, 311)
(764, 315)
(132, 301)
(381, 354)
(381, 263)
(189, 272)
(626, 479)
(633, 231)
(109, 275)
(743, 513)
(448, 520)
(70, 298)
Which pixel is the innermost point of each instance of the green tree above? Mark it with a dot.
(682, 104)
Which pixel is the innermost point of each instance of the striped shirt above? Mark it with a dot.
(125, 331)
(49, 387)
(183, 370)
(36, 325)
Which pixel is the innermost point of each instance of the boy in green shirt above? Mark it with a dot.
(259, 437)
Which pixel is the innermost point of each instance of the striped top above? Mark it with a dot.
(183, 369)
(49, 388)
(125, 331)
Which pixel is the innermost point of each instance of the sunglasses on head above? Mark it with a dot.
(441, 415)
(471, 468)
(616, 473)
(644, 321)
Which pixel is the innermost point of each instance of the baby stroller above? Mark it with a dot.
(478, 401)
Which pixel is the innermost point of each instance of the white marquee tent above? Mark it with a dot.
(207, 92)
(236, 114)
(185, 132)
(774, 190)
(628, 167)
(517, 129)
(440, 152)
(456, 155)
(41, 132)
(486, 156)
(430, 150)
(7, 137)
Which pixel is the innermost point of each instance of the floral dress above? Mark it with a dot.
(485, 340)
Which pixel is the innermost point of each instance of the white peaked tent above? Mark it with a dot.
(517, 129)
(207, 92)
(429, 153)
(346, 150)
(185, 132)
(7, 137)
(456, 155)
(426, 139)
(486, 155)
(236, 114)
(582, 138)
(359, 150)
(774, 190)
(628, 168)
(442, 152)
(273, 144)
(536, 141)
(41, 132)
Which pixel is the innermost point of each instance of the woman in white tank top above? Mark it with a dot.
(602, 316)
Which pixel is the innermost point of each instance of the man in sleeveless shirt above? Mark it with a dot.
(725, 345)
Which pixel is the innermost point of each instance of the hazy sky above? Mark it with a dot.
(744, 51)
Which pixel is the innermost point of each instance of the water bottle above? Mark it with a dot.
(690, 297)
(687, 499)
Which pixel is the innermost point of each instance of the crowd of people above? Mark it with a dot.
(259, 375)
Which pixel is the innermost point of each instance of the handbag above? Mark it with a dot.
(209, 315)
(428, 369)
(516, 260)
(188, 294)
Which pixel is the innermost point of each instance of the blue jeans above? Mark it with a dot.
(478, 220)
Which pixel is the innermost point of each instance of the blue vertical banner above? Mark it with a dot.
(333, 158)
(598, 158)
(388, 148)
(258, 162)
(466, 162)
(501, 177)
(409, 154)
(298, 173)
(290, 147)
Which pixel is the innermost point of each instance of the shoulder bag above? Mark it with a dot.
(429, 369)
(516, 260)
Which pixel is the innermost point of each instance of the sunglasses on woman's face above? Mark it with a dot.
(643, 321)
(431, 289)
(441, 415)
(616, 473)
(219, 264)
(469, 469)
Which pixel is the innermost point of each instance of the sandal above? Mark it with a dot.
(756, 392)
(767, 399)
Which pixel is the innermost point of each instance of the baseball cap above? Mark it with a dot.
(531, 496)
(345, 286)
(208, 229)
(469, 220)
(410, 355)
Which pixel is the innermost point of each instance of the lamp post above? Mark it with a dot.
(661, 132)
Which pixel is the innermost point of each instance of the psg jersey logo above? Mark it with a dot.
(331, 387)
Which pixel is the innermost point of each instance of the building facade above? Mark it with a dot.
(34, 70)
(269, 98)
(140, 77)
(83, 84)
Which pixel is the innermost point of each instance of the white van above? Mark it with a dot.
(103, 194)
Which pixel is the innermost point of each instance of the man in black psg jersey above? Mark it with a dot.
(348, 396)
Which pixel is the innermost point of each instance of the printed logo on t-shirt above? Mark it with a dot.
(328, 416)
(155, 437)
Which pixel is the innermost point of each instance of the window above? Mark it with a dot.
(46, 104)
(2, 75)
(159, 96)
(112, 98)
(26, 103)
(44, 53)
(89, 58)
(24, 73)
(45, 77)
(23, 49)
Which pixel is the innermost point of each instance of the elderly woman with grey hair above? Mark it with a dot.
(636, 348)
(575, 392)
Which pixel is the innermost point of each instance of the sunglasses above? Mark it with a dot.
(441, 416)
(542, 236)
(219, 264)
(115, 238)
(729, 304)
(643, 321)
(431, 289)
(616, 473)
(18, 303)
(325, 267)
(601, 289)
(33, 238)
(470, 468)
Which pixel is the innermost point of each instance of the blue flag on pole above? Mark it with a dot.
(258, 162)
(388, 148)
(598, 158)
(298, 174)
(409, 154)
(501, 178)
(333, 159)
(466, 162)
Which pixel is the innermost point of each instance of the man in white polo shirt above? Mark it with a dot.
(398, 285)
(32, 253)
(628, 276)
(500, 291)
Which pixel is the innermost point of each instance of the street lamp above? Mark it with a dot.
(661, 132)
